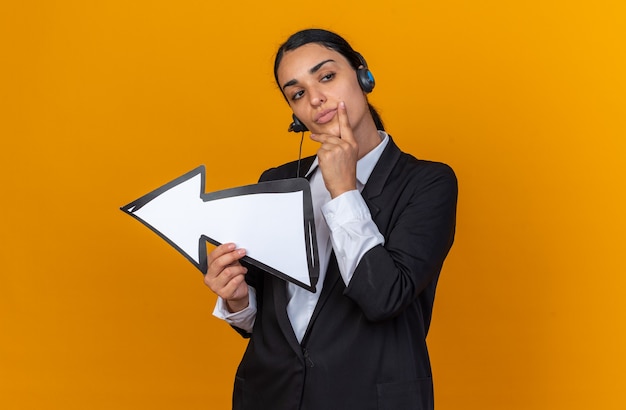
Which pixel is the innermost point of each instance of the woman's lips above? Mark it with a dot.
(325, 116)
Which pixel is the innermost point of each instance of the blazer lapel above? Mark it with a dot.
(331, 280)
(380, 174)
(278, 286)
(279, 289)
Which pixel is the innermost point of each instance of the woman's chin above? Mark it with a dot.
(332, 128)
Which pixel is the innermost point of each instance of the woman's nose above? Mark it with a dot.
(317, 97)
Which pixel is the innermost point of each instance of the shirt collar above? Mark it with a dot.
(365, 165)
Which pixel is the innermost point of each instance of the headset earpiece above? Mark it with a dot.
(365, 76)
(366, 79)
(296, 125)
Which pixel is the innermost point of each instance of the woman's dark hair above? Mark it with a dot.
(329, 40)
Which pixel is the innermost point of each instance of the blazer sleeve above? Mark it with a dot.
(417, 219)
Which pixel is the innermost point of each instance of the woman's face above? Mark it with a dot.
(315, 79)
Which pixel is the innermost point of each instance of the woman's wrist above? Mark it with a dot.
(236, 305)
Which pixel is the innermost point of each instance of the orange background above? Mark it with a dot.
(101, 102)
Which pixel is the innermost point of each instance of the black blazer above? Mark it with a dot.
(365, 346)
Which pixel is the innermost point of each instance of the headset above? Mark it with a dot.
(366, 81)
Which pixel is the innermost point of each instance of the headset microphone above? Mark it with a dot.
(297, 125)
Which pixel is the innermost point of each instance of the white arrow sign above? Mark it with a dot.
(272, 220)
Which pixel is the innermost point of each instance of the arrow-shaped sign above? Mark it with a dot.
(272, 220)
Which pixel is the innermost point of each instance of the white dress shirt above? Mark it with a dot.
(343, 224)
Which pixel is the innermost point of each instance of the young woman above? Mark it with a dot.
(385, 223)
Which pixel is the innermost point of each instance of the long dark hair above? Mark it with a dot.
(332, 41)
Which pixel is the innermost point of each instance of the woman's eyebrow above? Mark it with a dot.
(318, 66)
(312, 70)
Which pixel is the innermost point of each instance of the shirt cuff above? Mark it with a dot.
(244, 319)
(346, 208)
(353, 232)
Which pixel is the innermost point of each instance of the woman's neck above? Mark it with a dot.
(367, 138)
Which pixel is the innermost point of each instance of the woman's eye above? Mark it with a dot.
(328, 77)
(297, 95)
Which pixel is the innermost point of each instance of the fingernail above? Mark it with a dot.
(342, 104)
(241, 252)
